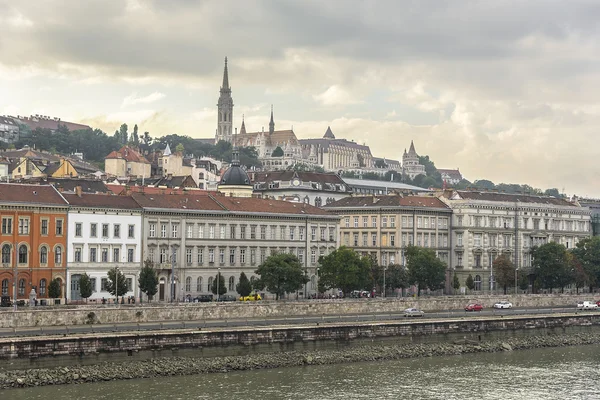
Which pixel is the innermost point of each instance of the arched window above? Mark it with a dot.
(58, 256)
(188, 284)
(477, 282)
(21, 287)
(231, 283)
(42, 287)
(199, 284)
(23, 254)
(5, 287)
(44, 255)
(210, 283)
(6, 254)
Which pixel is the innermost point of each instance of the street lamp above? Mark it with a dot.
(117, 284)
(516, 289)
(384, 269)
(318, 283)
(15, 273)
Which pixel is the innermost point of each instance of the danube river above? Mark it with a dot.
(554, 373)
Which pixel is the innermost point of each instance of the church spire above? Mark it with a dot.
(225, 76)
(271, 123)
(411, 150)
(243, 128)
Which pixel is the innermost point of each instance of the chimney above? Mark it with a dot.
(78, 190)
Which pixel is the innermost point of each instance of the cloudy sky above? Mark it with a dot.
(504, 90)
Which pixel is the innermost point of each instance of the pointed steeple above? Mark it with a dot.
(225, 76)
(271, 123)
(329, 134)
(412, 151)
(167, 151)
(243, 128)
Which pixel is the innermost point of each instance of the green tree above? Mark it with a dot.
(551, 265)
(85, 286)
(587, 252)
(580, 276)
(222, 288)
(116, 284)
(344, 269)
(455, 283)
(484, 184)
(180, 148)
(424, 268)
(281, 273)
(504, 271)
(523, 281)
(469, 283)
(244, 286)
(431, 172)
(396, 277)
(278, 152)
(148, 279)
(54, 289)
(134, 136)
(123, 135)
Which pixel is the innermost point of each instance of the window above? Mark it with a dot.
(163, 230)
(478, 260)
(231, 283)
(232, 229)
(392, 240)
(200, 256)
(93, 284)
(356, 240)
(365, 222)
(199, 284)
(6, 226)
(301, 233)
(231, 256)
(174, 229)
(419, 222)
(210, 283)
(331, 234)
(152, 230)
(222, 256)
(356, 222)
(44, 255)
(506, 240)
(301, 256)
(282, 232)
(262, 255)
(42, 287)
(188, 256)
(44, 227)
(426, 223)
(323, 234)
(211, 232)
(116, 230)
(347, 221)
(404, 222)
(392, 222)
(188, 284)
(163, 255)
(477, 282)
(459, 259)
(222, 231)
(252, 256)
(201, 231)
(263, 232)
(365, 239)
(242, 231)
(242, 256)
(23, 254)
(104, 255)
(77, 229)
(130, 255)
(58, 256)
(93, 255)
(292, 232)
(459, 220)
(477, 240)
(59, 227)
(384, 222)
(374, 222)
(103, 284)
(419, 239)
(104, 230)
(459, 239)
(151, 254)
(313, 256)
(116, 255)
(5, 287)
(211, 255)
(6, 254)
(130, 231)
(313, 233)
(23, 226)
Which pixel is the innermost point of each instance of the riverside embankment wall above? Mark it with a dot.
(79, 315)
(128, 342)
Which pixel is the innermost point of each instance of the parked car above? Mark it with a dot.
(587, 305)
(503, 304)
(227, 297)
(5, 301)
(251, 297)
(203, 298)
(473, 307)
(598, 302)
(413, 312)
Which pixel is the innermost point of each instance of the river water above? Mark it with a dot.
(556, 373)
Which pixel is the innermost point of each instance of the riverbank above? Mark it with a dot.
(178, 366)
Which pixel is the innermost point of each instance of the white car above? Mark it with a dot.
(413, 312)
(503, 304)
(587, 305)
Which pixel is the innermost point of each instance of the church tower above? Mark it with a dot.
(224, 110)
(271, 123)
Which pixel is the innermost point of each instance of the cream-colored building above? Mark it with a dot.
(192, 238)
(127, 162)
(488, 224)
(334, 154)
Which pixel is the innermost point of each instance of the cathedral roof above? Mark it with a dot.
(329, 134)
(272, 139)
(235, 174)
(325, 143)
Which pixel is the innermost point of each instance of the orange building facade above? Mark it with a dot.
(33, 240)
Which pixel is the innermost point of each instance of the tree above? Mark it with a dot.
(523, 281)
(116, 284)
(244, 286)
(85, 286)
(344, 269)
(396, 277)
(455, 283)
(551, 265)
(504, 271)
(134, 136)
(180, 148)
(222, 288)
(424, 268)
(123, 135)
(280, 274)
(580, 276)
(278, 152)
(587, 252)
(484, 184)
(148, 280)
(469, 283)
(54, 288)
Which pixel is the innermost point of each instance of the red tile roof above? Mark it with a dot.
(30, 194)
(43, 122)
(124, 190)
(181, 201)
(102, 201)
(388, 201)
(128, 154)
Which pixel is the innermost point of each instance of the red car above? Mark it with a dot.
(474, 307)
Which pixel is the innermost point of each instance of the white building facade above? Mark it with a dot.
(104, 232)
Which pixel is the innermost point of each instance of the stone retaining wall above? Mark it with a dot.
(27, 317)
(90, 344)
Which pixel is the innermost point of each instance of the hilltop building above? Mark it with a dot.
(127, 162)
(411, 166)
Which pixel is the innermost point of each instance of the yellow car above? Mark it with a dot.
(251, 297)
